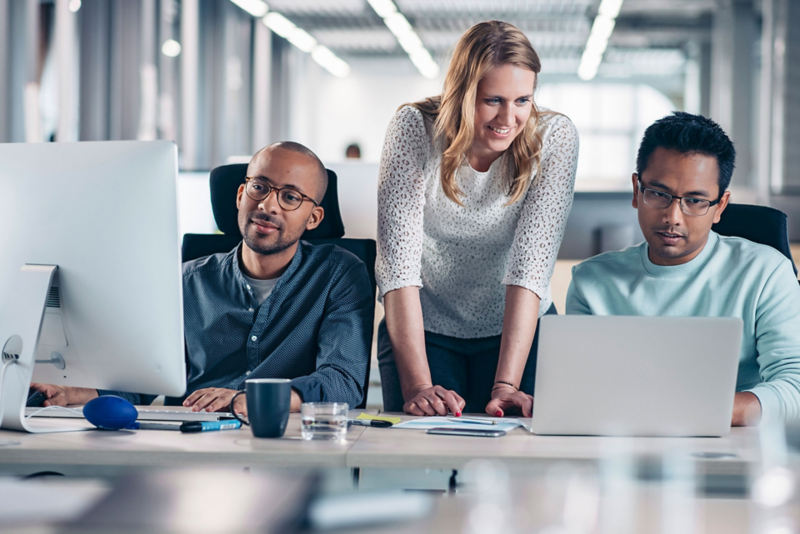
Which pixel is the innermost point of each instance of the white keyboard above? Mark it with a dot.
(146, 413)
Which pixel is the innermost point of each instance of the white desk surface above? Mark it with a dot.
(165, 448)
(405, 448)
(364, 447)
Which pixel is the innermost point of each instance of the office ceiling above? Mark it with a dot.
(651, 36)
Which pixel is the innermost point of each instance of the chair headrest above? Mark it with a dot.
(225, 181)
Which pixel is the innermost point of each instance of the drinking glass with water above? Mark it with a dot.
(324, 420)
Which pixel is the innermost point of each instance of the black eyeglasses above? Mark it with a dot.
(689, 205)
(288, 198)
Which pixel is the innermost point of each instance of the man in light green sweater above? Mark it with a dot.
(683, 169)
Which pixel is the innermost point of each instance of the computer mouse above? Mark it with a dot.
(110, 412)
(35, 398)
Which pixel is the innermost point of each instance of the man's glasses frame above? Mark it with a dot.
(654, 198)
(284, 201)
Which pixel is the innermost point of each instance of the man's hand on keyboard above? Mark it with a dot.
(64, 395)
(216, 400)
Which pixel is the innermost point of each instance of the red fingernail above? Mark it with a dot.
(458, 414)
(498, 413)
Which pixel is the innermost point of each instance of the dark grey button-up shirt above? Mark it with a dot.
(314, 328)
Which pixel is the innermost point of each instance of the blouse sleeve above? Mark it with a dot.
(401, 197)
(544, 215)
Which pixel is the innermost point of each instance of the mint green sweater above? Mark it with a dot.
(731, 277)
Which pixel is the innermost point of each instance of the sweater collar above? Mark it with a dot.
(685, 269)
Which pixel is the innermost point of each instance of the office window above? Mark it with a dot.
(611, 119)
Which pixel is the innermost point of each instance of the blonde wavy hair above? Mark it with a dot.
(482, 47)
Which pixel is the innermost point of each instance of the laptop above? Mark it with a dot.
(636, 376)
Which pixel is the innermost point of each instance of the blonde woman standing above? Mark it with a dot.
(475, 188)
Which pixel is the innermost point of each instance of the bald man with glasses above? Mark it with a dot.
(275, 306)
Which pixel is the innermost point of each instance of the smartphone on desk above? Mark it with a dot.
(480, 433)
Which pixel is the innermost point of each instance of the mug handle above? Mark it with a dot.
(234, 413)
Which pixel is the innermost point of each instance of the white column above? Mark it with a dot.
(262, 84)
(5, 71)
(148, 73)
(23, 84)
(190, 78)
(769, 157)
(67, 66)
(733, 69)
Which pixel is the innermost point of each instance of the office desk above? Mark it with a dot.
(413, 449)
(98, 452)
(105, 453)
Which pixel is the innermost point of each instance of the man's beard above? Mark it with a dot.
(282, 243)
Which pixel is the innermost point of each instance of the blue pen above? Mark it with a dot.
(207, 426)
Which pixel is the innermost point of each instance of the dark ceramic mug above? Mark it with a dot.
(268, 402)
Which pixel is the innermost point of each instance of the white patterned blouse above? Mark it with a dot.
(463, 257)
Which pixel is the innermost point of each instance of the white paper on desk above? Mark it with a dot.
(424, 423)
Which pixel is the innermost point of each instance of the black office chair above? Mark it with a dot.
(225, 182)
(759, 224)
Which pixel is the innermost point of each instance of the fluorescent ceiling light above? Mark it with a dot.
(597, 42)
(329, 61)
(302, 40)
(425, 63)
(411, 43)
(602, 28)
(398, 24)
(406, 36)
(279, 24)
(609, 8)
(171, 48)
(257, 8)
(383, 8)
(307, 43)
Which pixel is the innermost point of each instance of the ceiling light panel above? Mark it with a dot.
(307, 43)
(257, 8)
(597, 42)
(406, 36)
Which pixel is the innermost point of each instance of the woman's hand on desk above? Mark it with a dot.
(64, 395)
(505, 398)
(433, 400)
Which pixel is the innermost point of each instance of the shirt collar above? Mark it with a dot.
(234, 255)
(684, 269)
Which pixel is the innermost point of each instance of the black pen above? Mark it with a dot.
(370, 422)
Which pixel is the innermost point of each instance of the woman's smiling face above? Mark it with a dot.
(503, 104)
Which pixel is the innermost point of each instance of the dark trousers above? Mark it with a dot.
(466, 366)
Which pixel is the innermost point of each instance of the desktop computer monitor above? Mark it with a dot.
(90, 270)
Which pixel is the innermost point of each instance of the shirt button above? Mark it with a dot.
(251, 310)
(254, 338)
(248, 372)
(248, 288)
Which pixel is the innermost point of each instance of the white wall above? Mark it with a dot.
(357, 109)
(358, 197)
(194, 204)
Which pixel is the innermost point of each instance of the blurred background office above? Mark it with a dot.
(225, 77)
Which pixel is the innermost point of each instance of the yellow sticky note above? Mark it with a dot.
(393, 420)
